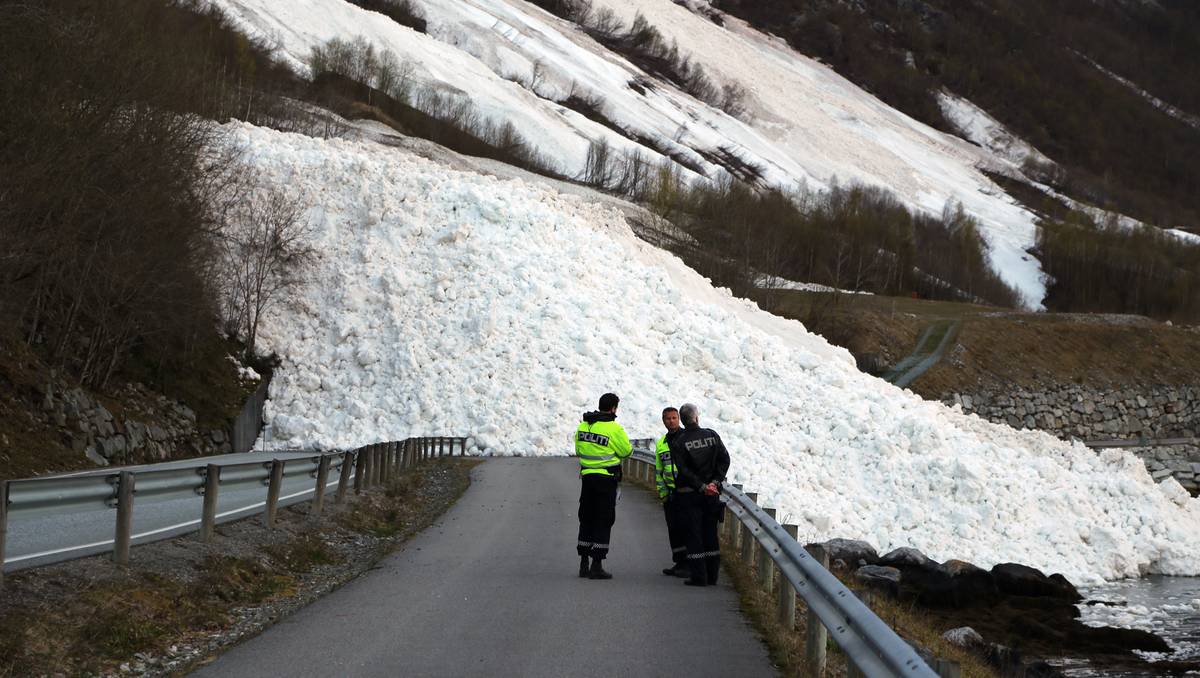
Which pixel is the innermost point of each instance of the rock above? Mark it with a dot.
(218, 436)
(851, 551)
(877, 576)
(905, 556)
(94, 456)
(963, 636)
(1021, 580)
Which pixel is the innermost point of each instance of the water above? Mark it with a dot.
(1166, 606)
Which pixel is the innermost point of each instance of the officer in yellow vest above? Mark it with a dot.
(664, 481)
(600, 444)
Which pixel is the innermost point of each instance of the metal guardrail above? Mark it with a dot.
(872, 648)
(360, 468)
(249, 421)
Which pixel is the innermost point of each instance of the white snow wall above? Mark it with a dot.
(452, 303)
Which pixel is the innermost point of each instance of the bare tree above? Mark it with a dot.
(267, 249)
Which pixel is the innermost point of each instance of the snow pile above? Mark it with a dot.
(448, 302)
(806, 125)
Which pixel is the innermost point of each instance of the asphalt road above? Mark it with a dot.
(492, 589)
(37, 538)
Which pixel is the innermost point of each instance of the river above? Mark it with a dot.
(1166, 606)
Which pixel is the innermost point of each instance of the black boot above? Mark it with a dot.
(713, 565)
(597, 571)
(676, 570)
(583, 566)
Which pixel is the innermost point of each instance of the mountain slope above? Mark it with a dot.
(805, 125)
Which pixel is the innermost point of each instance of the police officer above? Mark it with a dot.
(701, 462)
(600, 444)
(664, 481)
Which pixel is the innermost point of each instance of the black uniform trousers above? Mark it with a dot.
(597, 513)
(700, 515)
(676, 534)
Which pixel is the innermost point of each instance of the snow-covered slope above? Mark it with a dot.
(806, 124)
(451, 302)
(976, 125)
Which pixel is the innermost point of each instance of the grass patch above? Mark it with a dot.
(787, 646)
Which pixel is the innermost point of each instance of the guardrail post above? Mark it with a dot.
(3, 525)
(786, 609)
(274, 485)
(441, 446)
(385, 462)
(318, 503)
(748, 540)
(369, 471)
(208, 514)
(124, 528)
(735, 525)
(816, 636)
(344, 477)
(360, 470)
(946, 668)
(766, 569)
(379, 465)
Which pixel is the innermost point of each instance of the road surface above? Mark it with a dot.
(492, 589)
(38, 538)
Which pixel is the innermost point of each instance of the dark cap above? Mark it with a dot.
(608, 402)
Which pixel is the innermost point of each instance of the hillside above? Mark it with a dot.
(524, 66)
(1102, 89)
(266, 186)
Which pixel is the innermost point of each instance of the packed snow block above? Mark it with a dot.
(1021, 580)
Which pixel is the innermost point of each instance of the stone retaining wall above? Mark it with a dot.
(161, 429)
(1090, 414)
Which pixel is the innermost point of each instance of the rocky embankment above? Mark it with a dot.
(147, 427)
(1013, 616)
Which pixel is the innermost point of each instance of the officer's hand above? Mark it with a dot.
(711, 489)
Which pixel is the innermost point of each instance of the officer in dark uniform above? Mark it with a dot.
(701, 462)
(664, 482)
(600, 444)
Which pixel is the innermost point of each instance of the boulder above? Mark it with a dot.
(851, 551)
(905, 557)
(963, 636)
(1021, 580)
(879, 577)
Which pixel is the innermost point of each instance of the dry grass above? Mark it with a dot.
(787, 646)
(1000, 350)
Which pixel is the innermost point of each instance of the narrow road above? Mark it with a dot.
(492, 589)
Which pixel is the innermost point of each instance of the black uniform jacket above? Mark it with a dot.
(700, 458)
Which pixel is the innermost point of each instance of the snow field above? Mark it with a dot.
(452, 303)
(808, 125)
